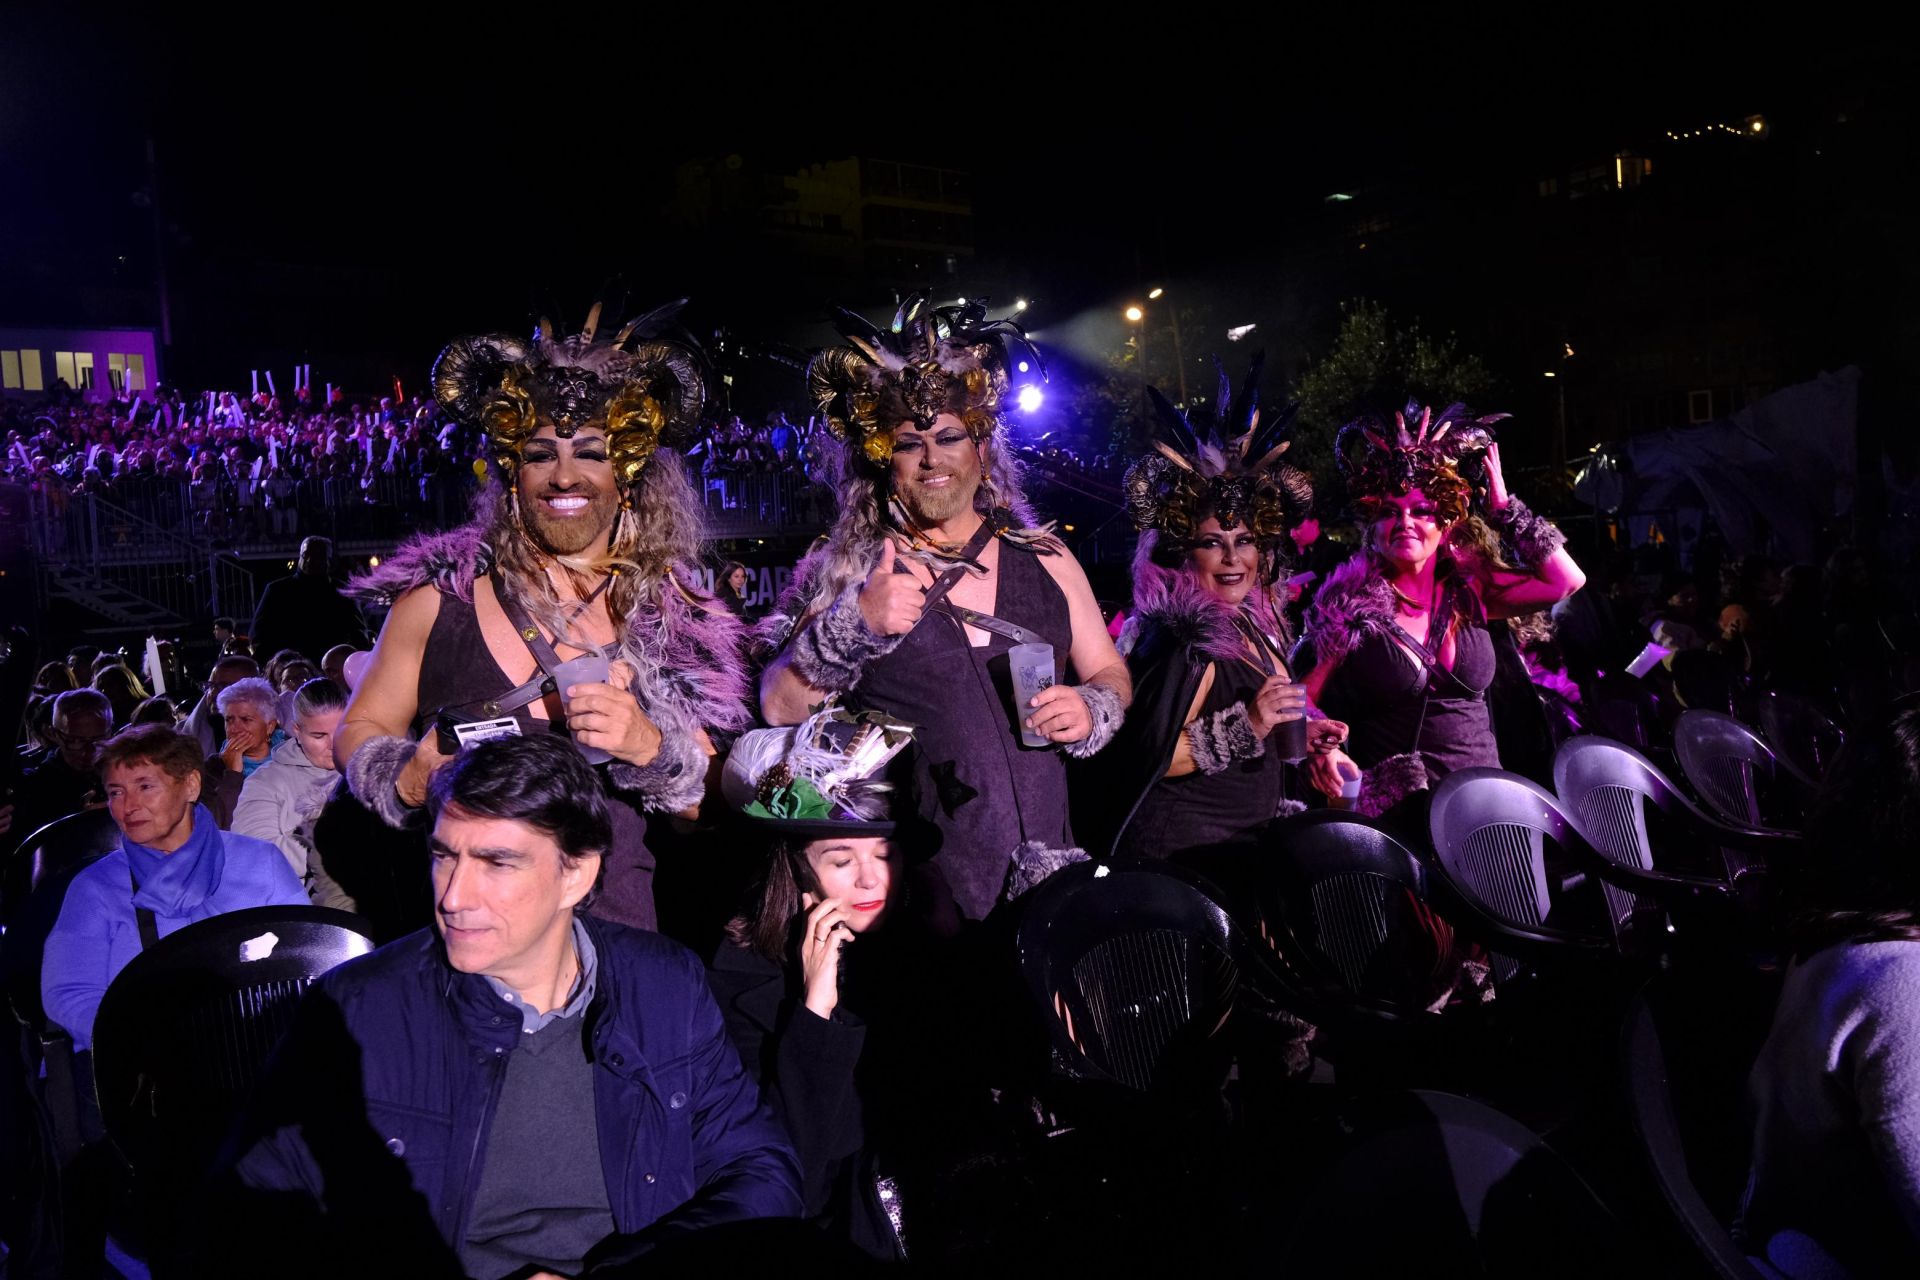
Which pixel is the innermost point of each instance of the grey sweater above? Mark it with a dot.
(1836, 1090)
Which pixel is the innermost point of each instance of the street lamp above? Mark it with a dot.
(1135, 314)
(1155, 295)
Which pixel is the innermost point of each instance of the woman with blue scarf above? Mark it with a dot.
(174, 866)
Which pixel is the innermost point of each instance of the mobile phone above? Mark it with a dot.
(448, 740)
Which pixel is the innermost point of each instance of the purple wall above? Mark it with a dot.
(128, 354)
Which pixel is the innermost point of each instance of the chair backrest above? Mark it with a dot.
(1605, 786)
(1799, 733)
(183, 1030)
(1343, 889)
(1650, 1106)
(1438, 1184)
(1727, 765)
(1490, 830)
(1706, 681)
(1624, 709)
(60, 846)
(1133, 964)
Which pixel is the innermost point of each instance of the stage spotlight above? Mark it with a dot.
(1134, 314)
(1030, 398)
(1155, 294)
(1023, 366)
(1019, 304)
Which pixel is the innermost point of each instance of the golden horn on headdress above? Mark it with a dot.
(546, 331)
(1173, 456)
(592, 325)
(1375, 440)
(1273, 455)
(1426, 419)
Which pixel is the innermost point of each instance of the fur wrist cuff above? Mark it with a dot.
(830, 652)
(1533, 537)
(372, 771)
(1389, 782)
(1033, 862)
(1222, 738)
(1103, 704)
(675, 779)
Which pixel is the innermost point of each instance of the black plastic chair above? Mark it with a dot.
(62, 844)
(1606, 785)
(1489, 830)
(1649, 1092)
(1436, 1184)
(1135, 967)
(1734, 772)
(1337, 894)
(1802, 738)
(183, 1030)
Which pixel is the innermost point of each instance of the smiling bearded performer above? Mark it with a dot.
(580, 546)
(932, 572)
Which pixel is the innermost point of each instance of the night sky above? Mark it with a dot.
(427, 183)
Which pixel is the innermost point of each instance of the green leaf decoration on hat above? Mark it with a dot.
(800, 800)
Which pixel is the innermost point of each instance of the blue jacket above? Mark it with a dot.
(396, 1054)
(96, 933)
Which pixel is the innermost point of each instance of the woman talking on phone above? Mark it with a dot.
(817, 974)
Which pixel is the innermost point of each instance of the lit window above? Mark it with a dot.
(10, 370)
(63, 368)
(30, 379)
(136, 372)
(116, 371)
(83, 365)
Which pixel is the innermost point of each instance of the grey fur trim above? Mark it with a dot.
(1533, 537)
(830, 652)
(1287, 808)
(1033, 862)
(372, 770)
(1391, 781)
(1222, 738)
(676, 778)
(1103, 704)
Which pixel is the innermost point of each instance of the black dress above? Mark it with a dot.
(1392, 705)
(972, 794)
(1208, 810)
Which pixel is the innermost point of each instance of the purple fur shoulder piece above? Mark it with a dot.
(1354, 603)
(695, 645)
(1171, 600)
(449, 560)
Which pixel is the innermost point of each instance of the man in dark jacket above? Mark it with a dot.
(306, 612)
(521, 1087)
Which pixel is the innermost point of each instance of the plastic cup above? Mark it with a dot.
(1290, 740)
(1032, 671)
(1349, 797)
(592, 668)
(1650, 657)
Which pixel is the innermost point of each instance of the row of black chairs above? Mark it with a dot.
(1142, 967)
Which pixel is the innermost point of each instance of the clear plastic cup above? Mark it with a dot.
(1349, 797)
(1650, 657)
(1290, 740)
(591, 668)
(1032, 671)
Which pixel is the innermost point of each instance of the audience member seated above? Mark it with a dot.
(123, 689)
(799, 997)
(64, 780)
(522, 1087)
(204, 721)
(251, 710)
(174, 867)
(1835, 1185)
(282, 799)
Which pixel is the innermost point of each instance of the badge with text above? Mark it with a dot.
(486, 730)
